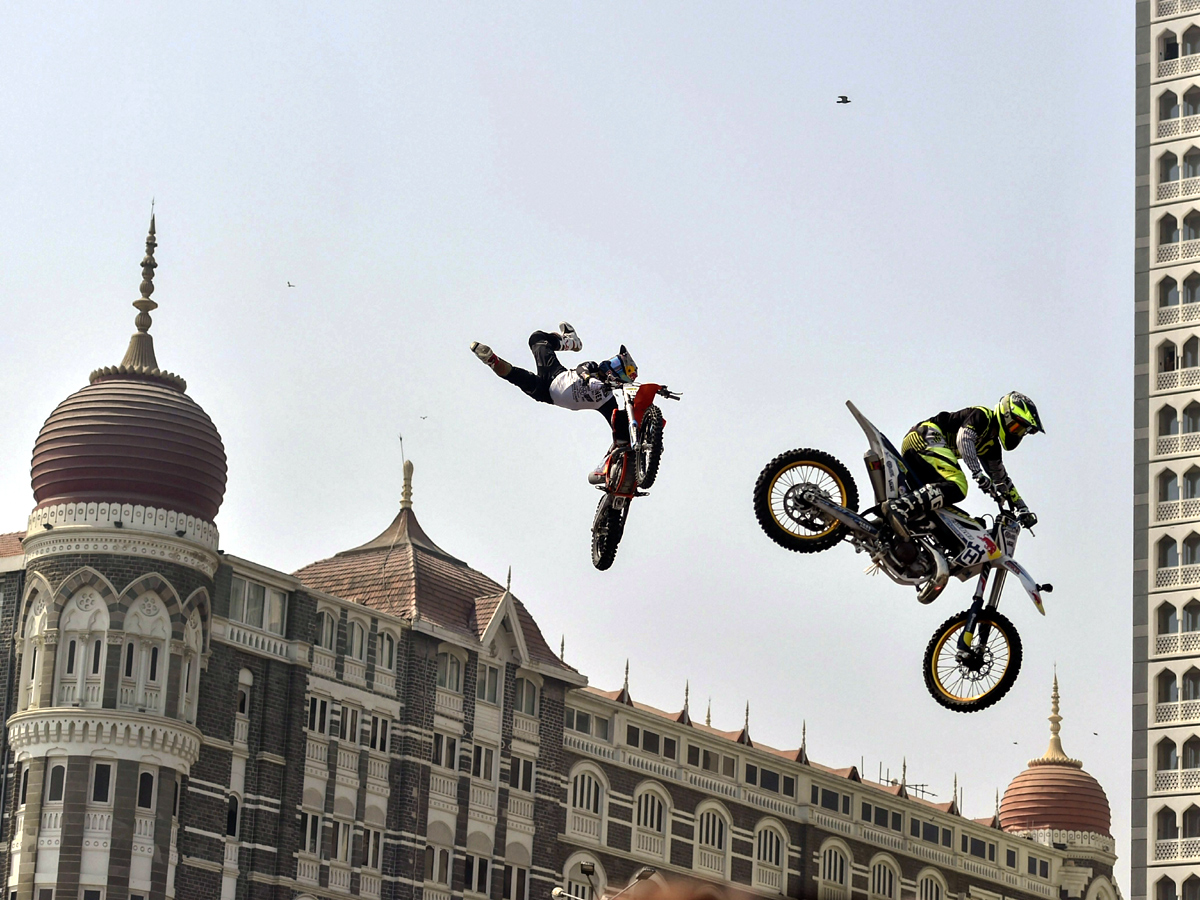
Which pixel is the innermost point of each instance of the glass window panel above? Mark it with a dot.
(100, 779)
(255, 597)
(237, 600)
(275, 612)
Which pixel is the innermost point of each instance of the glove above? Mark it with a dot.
(985, 483)
(1024, 516)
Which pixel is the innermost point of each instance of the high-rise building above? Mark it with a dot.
(1165, 820)
(389, 723)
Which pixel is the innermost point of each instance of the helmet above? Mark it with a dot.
(1017, 416)
(622, 366)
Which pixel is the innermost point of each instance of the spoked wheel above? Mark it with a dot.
(607, 528)
(783, 513)
(974, 679)
(652, 444)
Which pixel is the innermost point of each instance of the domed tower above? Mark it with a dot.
(128, 474)
(1056, 803)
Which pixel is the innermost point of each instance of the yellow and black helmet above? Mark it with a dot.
(1017, 416)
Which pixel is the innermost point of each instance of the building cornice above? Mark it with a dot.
(125, 735)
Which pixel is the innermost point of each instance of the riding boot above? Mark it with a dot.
(599, 475)
(914, 507)
(490, 359)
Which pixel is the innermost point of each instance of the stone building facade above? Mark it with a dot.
(389, 723)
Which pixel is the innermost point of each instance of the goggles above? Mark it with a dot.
(618, 366)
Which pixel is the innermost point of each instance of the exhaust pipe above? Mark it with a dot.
(935, 585)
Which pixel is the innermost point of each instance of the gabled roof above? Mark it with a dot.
(10, 543)
(403, 573)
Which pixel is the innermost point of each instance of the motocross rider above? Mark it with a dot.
(975, 435)
(587, 386)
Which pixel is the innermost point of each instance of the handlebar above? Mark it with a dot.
(670, 395)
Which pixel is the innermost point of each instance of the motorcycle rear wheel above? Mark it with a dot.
(784, 517)
(652, 445)
(607, 529)
(976, 684)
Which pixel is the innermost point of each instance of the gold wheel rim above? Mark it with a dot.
(776, 498)
(1001, 660)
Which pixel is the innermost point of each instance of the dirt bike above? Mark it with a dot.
(630, 469)
(806, 500)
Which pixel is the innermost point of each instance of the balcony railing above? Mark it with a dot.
(51, 820)
(385, 681)
(711, 861)
(1177, 576)
(1177, 314)
(339, 877)
(1175, 7)
(355, 671)
(1177, 780)
(1180, 250)
(443, 785)
(650, 842)
(323, 663)
(1182, 711)
(232, 848)
(1177, 849)
(448, 703)
(584, 824)
(241, 731)
(1187, 642)
(1185, 187)
(1171, 444)
(435, 892)
(347, 758)
(831, 892)
(308, 870)
(368, 885)
(1181, 65)
(1178, 127)
(525, 727)
(1167, 510)
(520, 807)
(97, 822)
(1178, 378)
(769, 878)
(377, 768)
(483, 796)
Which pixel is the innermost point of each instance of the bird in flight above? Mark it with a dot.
(842, 98)
(289, 284)
(424, 417)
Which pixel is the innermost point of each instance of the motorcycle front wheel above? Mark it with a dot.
(607, 529)
(785, 517)
(974, 679)
(652, 445)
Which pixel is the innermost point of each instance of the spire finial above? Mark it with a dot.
(144, 304)
(708, 714)
(997, 801)
(687, 687)
(508, 582)
(746, 724)
(562, 649)
(626, 673)
(954, 796)
(406, 492)
(804, 735)
(903, 771)
(1055, 753)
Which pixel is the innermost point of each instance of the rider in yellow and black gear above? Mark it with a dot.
(976, 435)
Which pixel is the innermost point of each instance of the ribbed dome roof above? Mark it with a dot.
(132, 435)
(1054, 792)
(133, 440)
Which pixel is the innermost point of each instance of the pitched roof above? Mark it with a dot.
(403, 573)
(10, 543)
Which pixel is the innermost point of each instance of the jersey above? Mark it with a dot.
(973, 434)
(572, 389)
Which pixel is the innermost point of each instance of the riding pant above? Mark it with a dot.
(934, 461)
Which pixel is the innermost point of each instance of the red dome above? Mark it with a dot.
(1055, 795)
(131, 439)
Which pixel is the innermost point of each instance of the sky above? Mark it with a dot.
(674, 177)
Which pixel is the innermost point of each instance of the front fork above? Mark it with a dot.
(969, 640)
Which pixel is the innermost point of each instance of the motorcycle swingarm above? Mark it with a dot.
(843, 515)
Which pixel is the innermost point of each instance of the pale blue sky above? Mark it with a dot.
(676, 177)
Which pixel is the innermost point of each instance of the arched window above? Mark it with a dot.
(449, 672)
(1191, 102)
(1191, 222)
(1191, 483)
(1191, 684)
(243, 702)
(1168, 553)
(929, 888)
(437, 864)
(1164, 889)
(387, 652)
(1168, 360)
(1191, 549)
(1168, 827)
(231, 817)
(1168, 292)
(1168, 230)
(1168, 486)
(1168, 106)
(650, 812)
(325, 632)
(22, 795)
(1191, 353)
(1191, 163)
(585, 793)
(525, 697)
(54, 787)
(358, 641)
(33, 658)
(1191, 753)
(1191, 616)
(1191, 284)
(1191, 822)
(145, 795)
(1168, 421)
(1168, 168)
(83, 628)
(768, 848)
(1191, 417)
(1168, 621)
(1191, 888)
(147, 630)
(1168, 687)
(883, 881)
(1191, 41)
(833, 866)
(711, 830)
(1167, 755)
(1168, 47)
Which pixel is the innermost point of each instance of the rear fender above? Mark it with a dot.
(882, 448)
(1027, 580)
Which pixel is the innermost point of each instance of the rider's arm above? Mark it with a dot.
(967, 439)
(995, 468)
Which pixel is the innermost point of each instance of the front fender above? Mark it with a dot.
(1027, 581)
